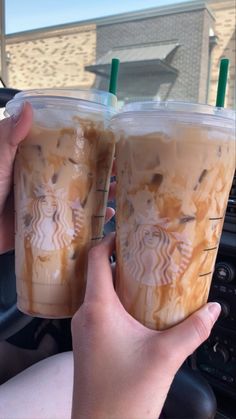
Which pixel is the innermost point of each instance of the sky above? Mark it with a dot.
(23, 15)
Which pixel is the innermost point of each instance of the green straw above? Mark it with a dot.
(114, 75)
(221, 89)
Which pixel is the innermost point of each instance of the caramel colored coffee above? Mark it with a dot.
(62, 173)
(174, 173)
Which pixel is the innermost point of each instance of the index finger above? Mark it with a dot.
(99, 287)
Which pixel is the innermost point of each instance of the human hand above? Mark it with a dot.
(123, 370)
(12, 132)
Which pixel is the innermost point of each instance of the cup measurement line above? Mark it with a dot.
(208, 273)
(101, 190)
(97, 238)
(209, 249)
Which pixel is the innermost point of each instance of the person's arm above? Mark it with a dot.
(12, 132)
(123, 370)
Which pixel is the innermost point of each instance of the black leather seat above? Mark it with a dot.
(190, 397)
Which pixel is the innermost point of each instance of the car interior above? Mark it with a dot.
(207, 378)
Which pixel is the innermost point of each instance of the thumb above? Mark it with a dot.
(15, 128)
(185, 337)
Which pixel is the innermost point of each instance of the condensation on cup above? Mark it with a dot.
(61, 181)
(175, 165)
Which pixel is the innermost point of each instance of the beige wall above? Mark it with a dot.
(224, 12)
(51, 58)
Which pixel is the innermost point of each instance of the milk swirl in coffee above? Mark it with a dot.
(62, 173)
(174, 173)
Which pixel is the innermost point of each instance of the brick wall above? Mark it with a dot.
(207, 25)
(51, 58)
(189, 29)
(224, 12)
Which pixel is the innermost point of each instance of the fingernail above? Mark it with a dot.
(112, 211)
(214, 309)
(16, 117)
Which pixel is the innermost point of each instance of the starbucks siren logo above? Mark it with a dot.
(51, 222)
(151, 254)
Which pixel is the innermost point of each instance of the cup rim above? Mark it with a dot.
(171, 107)
(70, 96)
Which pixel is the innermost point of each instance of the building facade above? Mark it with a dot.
(55, 57)
(169, 52)
(225, 18)
(183, 74)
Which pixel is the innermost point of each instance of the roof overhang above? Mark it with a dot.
(133, 68)
(137, 59)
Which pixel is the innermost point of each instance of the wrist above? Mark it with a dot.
(100, 407)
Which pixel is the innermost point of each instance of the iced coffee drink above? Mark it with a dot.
(62, 170)
(175, 166)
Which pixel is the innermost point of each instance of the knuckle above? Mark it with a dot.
(76, 318)
(89, 313)
(84, 319)
(75, 322)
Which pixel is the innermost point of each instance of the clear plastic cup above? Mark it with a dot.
(61, 180)
(175, 165)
